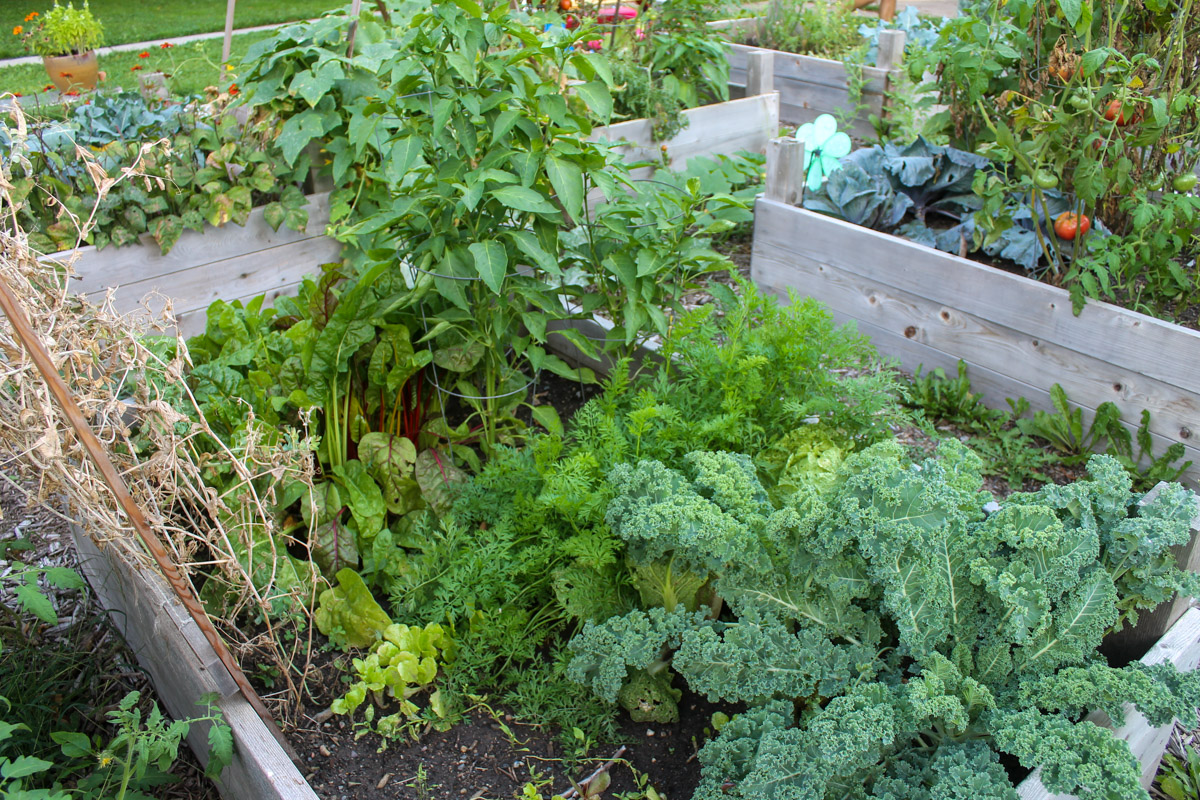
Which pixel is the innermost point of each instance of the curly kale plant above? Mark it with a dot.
(889, 640)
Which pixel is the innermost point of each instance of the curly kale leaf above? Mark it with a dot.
(1078, 758)
(956, 771)
(1160, 691)
(604, 653)
(852, 733)
(756, 662)
(911, 523)
(727, 759)
(659, 512)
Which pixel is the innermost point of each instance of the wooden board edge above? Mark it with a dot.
(260, 770)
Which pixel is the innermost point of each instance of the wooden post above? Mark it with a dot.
(891, 50)
(355, 10)
(760, 73)
(785, 170)
(889, 57)
(228, 32)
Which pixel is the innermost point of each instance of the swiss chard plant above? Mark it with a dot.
(887, 637)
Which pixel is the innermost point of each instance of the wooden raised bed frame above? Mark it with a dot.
(163, 636)
(1017, 336)
(809, 86)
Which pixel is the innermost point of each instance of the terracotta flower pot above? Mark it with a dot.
(73, 71)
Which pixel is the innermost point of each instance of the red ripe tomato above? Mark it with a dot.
(1068, 225)
(1114, 113)
(566, 5)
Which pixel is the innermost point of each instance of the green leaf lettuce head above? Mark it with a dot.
(348, 614)
(889, 640)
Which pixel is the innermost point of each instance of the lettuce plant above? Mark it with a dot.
(888, 638)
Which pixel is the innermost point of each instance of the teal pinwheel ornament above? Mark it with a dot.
(824, 147)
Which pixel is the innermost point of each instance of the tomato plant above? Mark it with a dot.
(1070, 224)
(1114, 112)
(1185, 182)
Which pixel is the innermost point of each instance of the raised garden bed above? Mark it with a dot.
(182, 666)
(1018, 336)
(810, 86)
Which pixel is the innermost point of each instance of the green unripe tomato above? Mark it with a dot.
(1045, 180)
(1079, 102)
(1185, 182)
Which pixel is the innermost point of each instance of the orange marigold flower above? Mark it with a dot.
(233, 89)
(144, 54)
(65, 75)
(47, 87)
(31, 16)
(136, 67)
(165, 45)
(18, 30)
(72, 93)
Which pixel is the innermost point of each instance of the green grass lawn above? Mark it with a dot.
(191, 66)
(127, 21)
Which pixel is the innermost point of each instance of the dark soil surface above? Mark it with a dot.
(489, 754)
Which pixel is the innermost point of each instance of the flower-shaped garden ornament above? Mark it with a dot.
(824, 147)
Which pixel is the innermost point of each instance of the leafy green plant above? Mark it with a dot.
(1090, 100)
(885, 634)
(65, 30)
(878, 186)
(348, 614)
(405, 661)
(135, 759)
(23, 581)
(1179, 775)
(797, 27)
(214, 172)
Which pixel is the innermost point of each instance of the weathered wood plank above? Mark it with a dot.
(721, 128)
(99, 269)
(993, 387)
(1126, 339)
(183, 667)
(976, 339)
(247, 274)
(808, 69)
(1181, 647)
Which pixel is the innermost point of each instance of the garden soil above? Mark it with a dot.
(490, 755)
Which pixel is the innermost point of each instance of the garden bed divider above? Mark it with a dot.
(183, 667)
(809, 86)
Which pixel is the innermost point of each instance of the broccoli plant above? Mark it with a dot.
(888, 638)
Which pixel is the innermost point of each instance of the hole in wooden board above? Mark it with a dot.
(1185, 433)
(1117, 387)
(910, 332)
(1036, 343)
(945, 315)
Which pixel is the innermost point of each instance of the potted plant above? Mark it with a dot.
(66, 38)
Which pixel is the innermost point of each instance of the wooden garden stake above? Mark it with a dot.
(116, 484)
(228, 32)
(760, 73)
(785, 170)
(355, 9)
